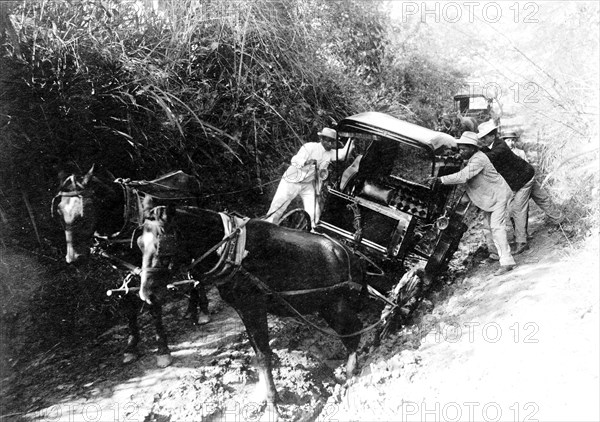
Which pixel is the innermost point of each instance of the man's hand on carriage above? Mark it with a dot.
(432, 181)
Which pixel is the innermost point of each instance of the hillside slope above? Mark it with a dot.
(523, 346)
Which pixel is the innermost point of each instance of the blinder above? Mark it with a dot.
(166, 245)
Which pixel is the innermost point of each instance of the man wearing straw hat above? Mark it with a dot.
(488, 191)
(518, 173)
(302, 176)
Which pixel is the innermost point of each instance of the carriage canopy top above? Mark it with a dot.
(377, 126)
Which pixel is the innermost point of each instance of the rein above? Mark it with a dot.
(228, 239)
(278, 295)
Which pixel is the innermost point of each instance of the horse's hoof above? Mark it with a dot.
(129, 357)
(203, 319)
(162, 361)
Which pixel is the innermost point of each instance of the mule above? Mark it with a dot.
(285, 272)
(91, 208)
(462, 124)
(455, 124)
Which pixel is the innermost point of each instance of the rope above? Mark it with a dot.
(240, 190)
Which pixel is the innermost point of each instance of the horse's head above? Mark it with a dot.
(158, 244)
(75, 207)
(445, 123)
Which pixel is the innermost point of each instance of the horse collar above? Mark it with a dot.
(233, 248)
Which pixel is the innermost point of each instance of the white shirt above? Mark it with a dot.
(301, 172)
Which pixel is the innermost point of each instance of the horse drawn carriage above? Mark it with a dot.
(469, 111)
(379, 217)
(378, 201)
(474, 105)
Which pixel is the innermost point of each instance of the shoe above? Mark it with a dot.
(493, 257)
(520, 248)
(203, 319)
(504, 269)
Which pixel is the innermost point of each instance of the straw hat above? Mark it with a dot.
(468, 138)
(485, 128)
(328, 133)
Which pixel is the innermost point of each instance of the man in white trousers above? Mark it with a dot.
(301, 177)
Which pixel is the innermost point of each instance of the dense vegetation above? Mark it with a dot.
(226, 91)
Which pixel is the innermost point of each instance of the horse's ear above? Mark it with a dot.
(62, 177)
(163, 213)
(170, 212)
(88, 176)
(147, 206)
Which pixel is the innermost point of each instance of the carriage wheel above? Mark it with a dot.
(446, 244)
(297, 219)
(407, 295)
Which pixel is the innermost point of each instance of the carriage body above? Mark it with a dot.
(378, 201)
(474, 105)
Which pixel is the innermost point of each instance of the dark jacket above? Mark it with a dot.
(514, 169)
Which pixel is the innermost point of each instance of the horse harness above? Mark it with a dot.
(232, 252)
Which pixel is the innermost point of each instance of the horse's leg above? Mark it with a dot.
(192, 309)
(254, 316)
(163, 357)
(203, 303)
(344, 320)
(130, 309)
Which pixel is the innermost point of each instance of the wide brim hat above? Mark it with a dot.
(485, 128)
(468, 138)
(328, 133)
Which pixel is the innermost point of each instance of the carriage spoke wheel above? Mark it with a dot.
(406, 295)
(296, 219)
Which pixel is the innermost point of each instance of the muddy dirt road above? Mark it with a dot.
(523, 346)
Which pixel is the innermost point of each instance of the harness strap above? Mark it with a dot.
(265, 289)
(232, 252)
(228, 237)
(350, 283)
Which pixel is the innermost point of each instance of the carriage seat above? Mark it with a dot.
(376, 192)
(350, 173)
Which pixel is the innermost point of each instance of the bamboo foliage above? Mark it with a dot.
(211, 87)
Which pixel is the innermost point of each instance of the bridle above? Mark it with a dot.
(132, 207)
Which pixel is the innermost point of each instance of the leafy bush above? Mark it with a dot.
(226, 91)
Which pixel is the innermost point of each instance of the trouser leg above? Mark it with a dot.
(519, 209)
(487, 232)
(542, 199)
(308, 195)
(497, 225)
(286, 192)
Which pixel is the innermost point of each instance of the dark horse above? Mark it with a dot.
(284, 271)
(455, 124)
(94, 210)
